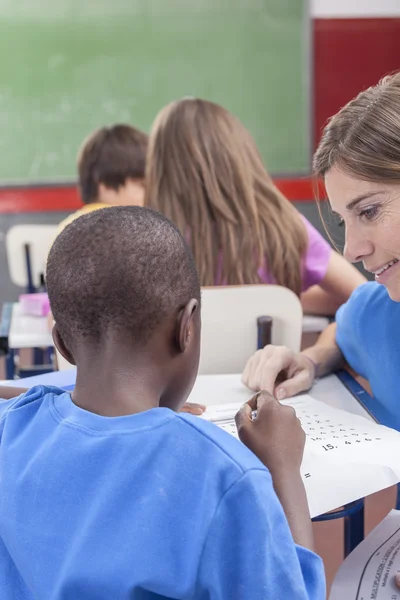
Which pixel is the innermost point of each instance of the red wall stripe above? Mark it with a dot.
(38, 199)
(349, 56)
(56, 199)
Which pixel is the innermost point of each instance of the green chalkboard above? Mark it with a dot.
(69, 66)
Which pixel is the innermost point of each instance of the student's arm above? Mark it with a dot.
(326, 354)
(249, 552)
(334, 289)
(285, 373)
(8, 392)
(276, 437)
(315, 301)
(257, 547)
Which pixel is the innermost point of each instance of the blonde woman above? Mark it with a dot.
(205, 173)
(359, 160)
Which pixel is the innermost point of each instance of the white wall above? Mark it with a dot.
(354, 8)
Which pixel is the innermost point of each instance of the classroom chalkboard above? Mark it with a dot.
(69, 66)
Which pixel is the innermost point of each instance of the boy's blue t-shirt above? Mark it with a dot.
(368, 334)
(148, 506)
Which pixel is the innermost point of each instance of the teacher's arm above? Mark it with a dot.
(284, 373)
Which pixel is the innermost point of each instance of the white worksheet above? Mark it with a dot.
(346, 456)
(368, 572)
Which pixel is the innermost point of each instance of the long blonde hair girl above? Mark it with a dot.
(205, 173)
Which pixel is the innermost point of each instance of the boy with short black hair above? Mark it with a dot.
(110, 493)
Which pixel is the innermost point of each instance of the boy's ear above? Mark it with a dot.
(60, 345)
(184, 325)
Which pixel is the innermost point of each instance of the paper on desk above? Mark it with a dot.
(346, 456)
(368, 572)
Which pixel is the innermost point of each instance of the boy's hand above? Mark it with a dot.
(194, 409)
(275, 436)
(397, 580)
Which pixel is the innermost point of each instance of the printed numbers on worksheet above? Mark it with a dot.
(328, 433)
(229, 426)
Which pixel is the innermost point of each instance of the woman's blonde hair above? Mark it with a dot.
(204, 172)
(363, 138)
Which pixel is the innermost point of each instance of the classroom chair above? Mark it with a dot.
(229, 324)
(27, 247)
(234, 318)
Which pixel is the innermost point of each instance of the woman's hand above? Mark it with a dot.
(279, 371)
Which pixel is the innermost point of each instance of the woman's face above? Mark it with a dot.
(370, 213)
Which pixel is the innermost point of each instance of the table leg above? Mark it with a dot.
(398, 497)
(38, 356)
(10, 364)
(353, 530)
(353, 515)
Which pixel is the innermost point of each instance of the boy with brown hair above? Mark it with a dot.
(111, 169)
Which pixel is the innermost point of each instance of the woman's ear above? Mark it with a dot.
(61, 346)
(185, 324)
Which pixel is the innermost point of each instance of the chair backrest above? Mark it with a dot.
(229, 324)
(39, 238)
